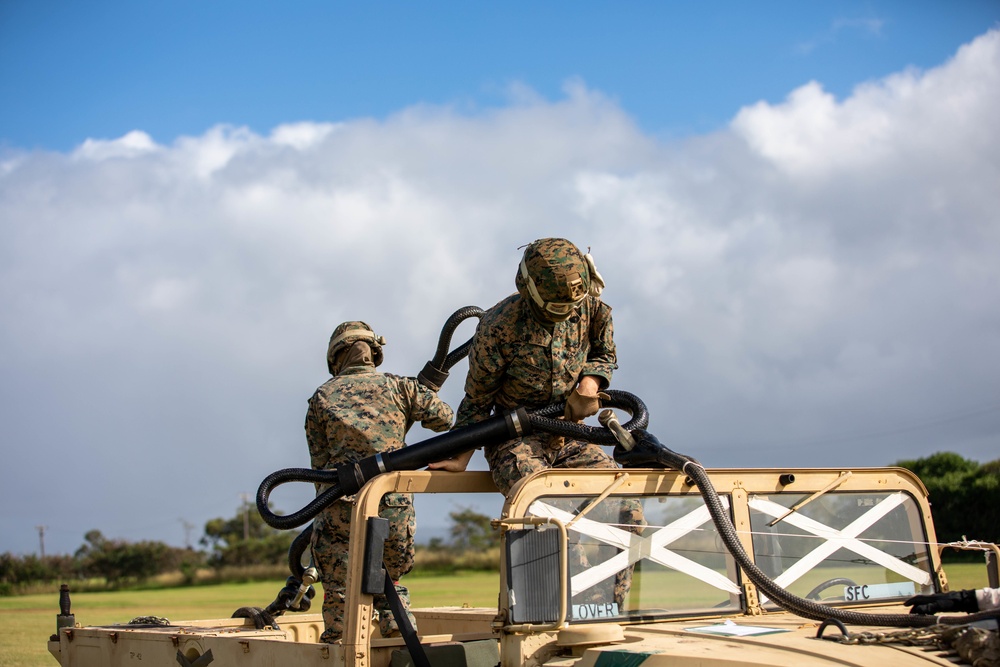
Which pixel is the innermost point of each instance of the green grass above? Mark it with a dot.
(27, 621)
(966, 575)
(475, 589)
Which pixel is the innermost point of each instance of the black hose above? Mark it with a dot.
(542, 419)
(435, 371)
(295, 551)
(649, 450)
(443, 358)
(456, 355)
(261, 617)
(296, 519)
(349, 477)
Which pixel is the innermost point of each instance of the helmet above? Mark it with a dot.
(347, 334)
(555, 277)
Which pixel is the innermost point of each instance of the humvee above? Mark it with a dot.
(858, 541)
(661, 562)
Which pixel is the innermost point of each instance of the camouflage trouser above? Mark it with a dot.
(330, 538)
(515, 459)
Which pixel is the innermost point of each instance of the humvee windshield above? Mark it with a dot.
(855, 547)
(638, 557)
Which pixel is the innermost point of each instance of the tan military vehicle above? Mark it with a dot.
(661, 562)
(850, 542)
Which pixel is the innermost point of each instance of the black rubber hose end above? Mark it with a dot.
(432, 377)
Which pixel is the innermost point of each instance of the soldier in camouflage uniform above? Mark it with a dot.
(360, 412)
(552, 341)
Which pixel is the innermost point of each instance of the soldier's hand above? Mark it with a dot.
(581, 405)
(943, 602)
(455, 464)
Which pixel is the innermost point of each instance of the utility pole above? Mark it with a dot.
(246, 516)
(41, 539)
(188, 526)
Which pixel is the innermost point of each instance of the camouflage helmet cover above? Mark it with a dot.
(555, 276)
(348, 333)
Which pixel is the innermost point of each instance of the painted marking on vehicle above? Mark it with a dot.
(879, 591)
(595, 610)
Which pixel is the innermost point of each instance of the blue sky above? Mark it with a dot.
(793, 205)
(72, 71)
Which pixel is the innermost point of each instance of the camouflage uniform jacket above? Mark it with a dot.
(361, 412)
(517, 361)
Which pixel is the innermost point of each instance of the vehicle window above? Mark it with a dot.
(632, 558)
(843, 546)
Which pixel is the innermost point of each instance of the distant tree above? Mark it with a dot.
(118, 561)
(471, 530)
(964, 495)
(18, 571)
(247, 522)
(943, 465)
(245, 539)
(188, 562)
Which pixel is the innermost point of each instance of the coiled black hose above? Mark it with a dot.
(435, 371)
(650, 452)
(542, 419)
(261, 617)
(349, 477)
(315, 506)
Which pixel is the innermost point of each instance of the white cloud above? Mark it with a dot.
(820, 263)
(302, 136)
(132, 144)
(884, 125)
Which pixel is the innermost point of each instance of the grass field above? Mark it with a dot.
(27, 621)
